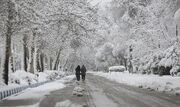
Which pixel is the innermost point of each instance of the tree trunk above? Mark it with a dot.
(57, 59)
(12, 63)
(12, 58)
(35, 58)
(177, 39)
(65, 64)
(32, 52)
(42, 61)
(25, 52)
(38, 62)
(31, 67)
(72, 68)
(130, 59)
(177, 45)
(51, 62)
(8, 41)
(45, 62)
(130, 67)
(125, 63)
(57, 67)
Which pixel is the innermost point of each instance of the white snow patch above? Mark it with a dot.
(34, 105)
(39, 92)
(67, 103)
(21, 78)
(78, 91)
(42, 76)
(159, 83)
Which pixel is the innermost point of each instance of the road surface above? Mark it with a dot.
(99, 92)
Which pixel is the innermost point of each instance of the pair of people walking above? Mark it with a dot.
(80, 71)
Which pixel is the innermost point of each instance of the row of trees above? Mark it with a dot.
(138, 32)
(38, 35)
(43, 34)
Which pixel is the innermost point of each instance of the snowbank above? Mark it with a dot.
(153, 82)
(26, 78)
(22, 78)
(34, 105)
(49, 75)
(40, 91)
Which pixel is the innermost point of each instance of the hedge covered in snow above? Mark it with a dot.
(161, 62)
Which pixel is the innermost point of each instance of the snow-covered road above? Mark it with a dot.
(128, 96)
(101, 92)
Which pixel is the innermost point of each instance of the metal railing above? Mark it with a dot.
(9, 92)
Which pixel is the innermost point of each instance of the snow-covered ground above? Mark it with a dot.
(35, 105)
(153, 82)
(21, 78)
(40, 91)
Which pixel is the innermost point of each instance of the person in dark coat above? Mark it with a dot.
(78, 69)
(83, 72)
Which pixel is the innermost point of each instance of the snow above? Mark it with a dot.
(78, 91)
(35, 105)
(42, 77)
(67, 103)
(165, 58)
(168, 57)
(159, 83)
(174, 70)
(21, 78)
(39, 92)
(116, 68)
(50, 74)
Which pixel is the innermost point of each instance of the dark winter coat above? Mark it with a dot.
(83, 70)
(78, 69)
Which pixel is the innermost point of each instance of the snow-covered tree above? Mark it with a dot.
(37, 32)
